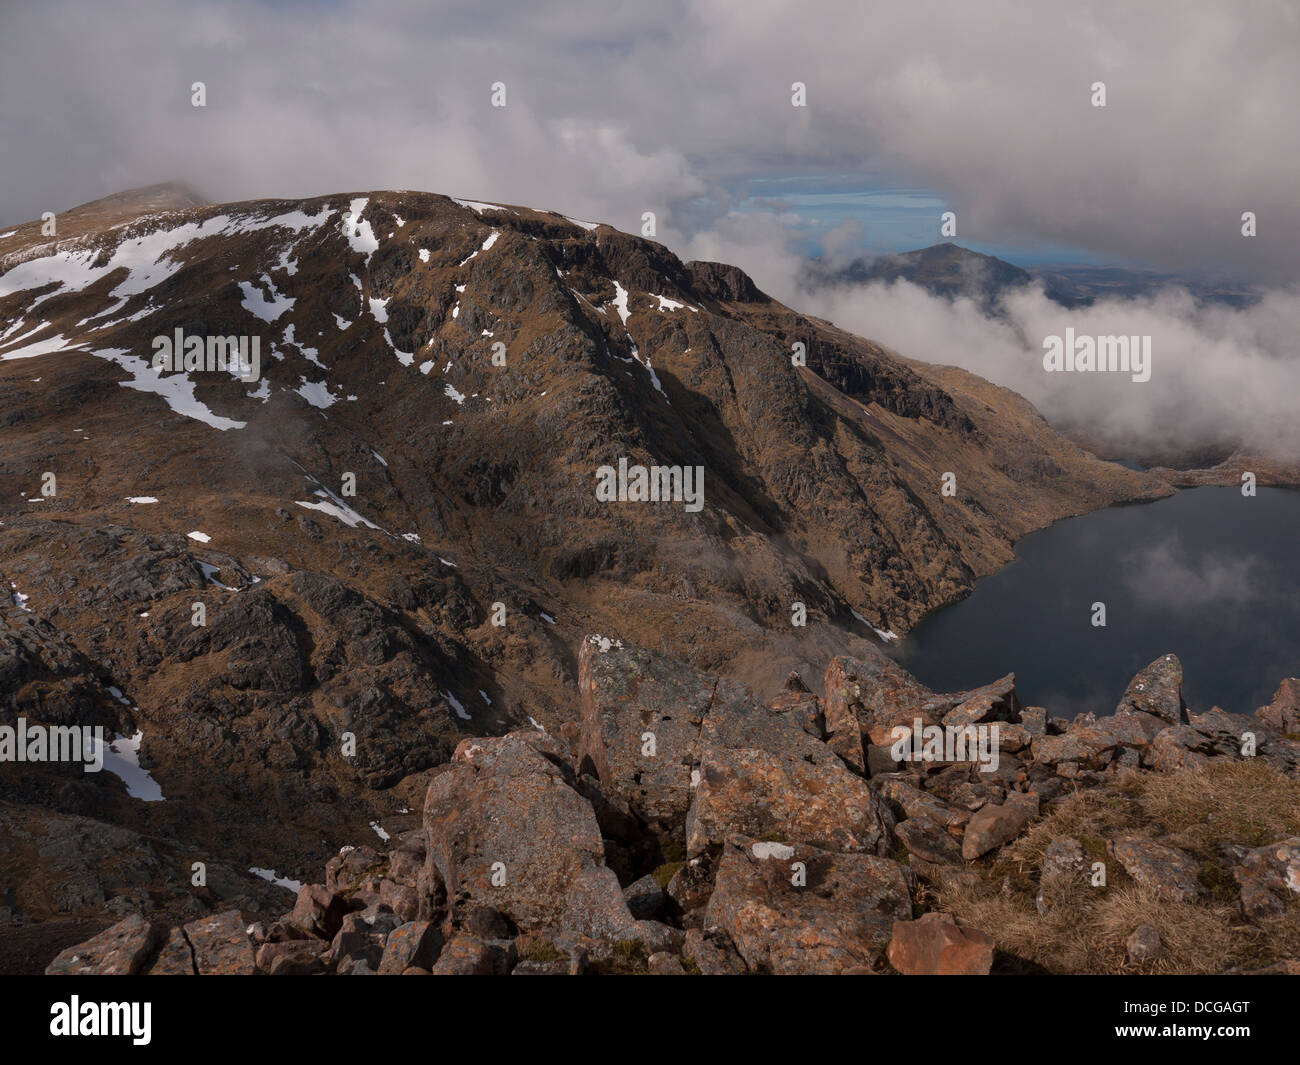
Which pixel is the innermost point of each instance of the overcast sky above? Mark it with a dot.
(684, 108)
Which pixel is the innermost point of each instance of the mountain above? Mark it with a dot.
(950, 271)
(942, 269)
(352, 523)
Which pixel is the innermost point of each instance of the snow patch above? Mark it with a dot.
(122, 759)
(360, 236)
(279, 881)
(456, 705)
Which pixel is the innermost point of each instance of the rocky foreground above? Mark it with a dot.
(681, 826)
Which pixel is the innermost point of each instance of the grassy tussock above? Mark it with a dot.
(1242, 802)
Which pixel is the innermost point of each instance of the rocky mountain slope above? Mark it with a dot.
(416, 461)
(950, 270)
(789, 838)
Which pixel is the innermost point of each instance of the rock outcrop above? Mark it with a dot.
(757, 849)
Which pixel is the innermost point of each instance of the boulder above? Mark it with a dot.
(1269, 878)
(1177, 748)
(991, 826)
(763, 778)
(713, 953)
(1143, 945)
(319, 910)
(800, 705)
(627, 694)
(118, 951)
(661, 963)
(843, 730)
(350, 868)
(928, 840)
(838, 917)
(692, 884)
(1230, 732)
(175, 958)
(596, 909)
(293, 957)
(466, 955)
(913, 802)
(1033, 719)
(1164, 870)
(415, 943)
(1157, 690)
(1060, 875)
(1283, 713)
(644, 897)
(936, 945)
(221, 945)
(303, 963)
(1091, 741)
(504, 828)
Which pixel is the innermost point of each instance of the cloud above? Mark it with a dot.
(618, 108)
(1219, 375)
(1167, 577)
(614, 109)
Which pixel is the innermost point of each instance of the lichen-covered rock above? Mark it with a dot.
(118, 951)
(176, 958)
(1162, 869)
(763, 778)
(414, 943)
(928, 840)
(1283, 713)
(633, 703)
(319, 910)
(221, 945)
(1061, 874)
(713, 953)
(482, 816)
(1177, 748)
(991, 826)
(1269, 878)
(1086, 741)
(1157, 690)
(797, 909)
(466, 955)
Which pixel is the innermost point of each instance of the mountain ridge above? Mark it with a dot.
(372, 614)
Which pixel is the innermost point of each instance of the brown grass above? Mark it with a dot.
(1244, 802)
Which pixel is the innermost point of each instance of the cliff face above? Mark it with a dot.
(393, 530)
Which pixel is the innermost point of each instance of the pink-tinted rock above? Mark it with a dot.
(118, 951)
(221, 945)
(839, 917)
(991, 826)
(936, 946)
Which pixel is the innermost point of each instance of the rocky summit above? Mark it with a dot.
(305, 544)
(744, 843)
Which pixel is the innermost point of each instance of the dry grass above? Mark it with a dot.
(1233, 802)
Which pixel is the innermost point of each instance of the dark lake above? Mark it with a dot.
(1208, 574)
